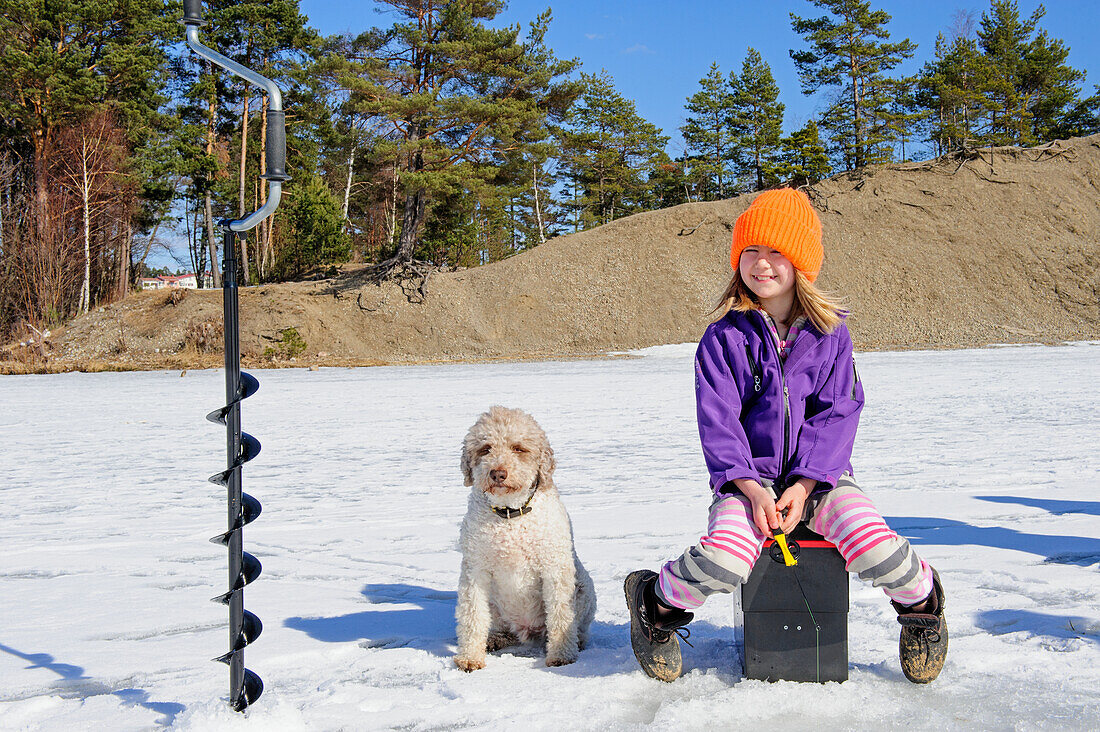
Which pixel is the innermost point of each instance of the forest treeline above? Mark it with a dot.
(442, 138)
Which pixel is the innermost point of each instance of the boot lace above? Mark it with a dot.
(926, 635)
(661, 635)
(925, 629)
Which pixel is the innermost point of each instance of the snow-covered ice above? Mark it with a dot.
(987, 459)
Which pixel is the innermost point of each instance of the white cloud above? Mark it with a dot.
(638, 48)
(594, 36)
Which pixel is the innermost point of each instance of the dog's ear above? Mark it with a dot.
(467, 468)
(546, 464)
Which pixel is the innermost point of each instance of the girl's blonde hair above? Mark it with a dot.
(821, 308)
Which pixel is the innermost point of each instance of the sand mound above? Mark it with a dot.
(996, 247)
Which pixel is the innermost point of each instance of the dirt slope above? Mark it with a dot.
(993, 248)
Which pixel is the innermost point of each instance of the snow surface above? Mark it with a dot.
(987, 459)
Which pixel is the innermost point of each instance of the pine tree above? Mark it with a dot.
(951, 89)
(62, 60)
(204, 129)
(849, 56)
(903, 116)
(1026, 91)
(1004, 38)
(272, 37)
(527, 173)
(802, 159)
(709, 132)
(610, 151)
(1051, 88)
(456, 95)
(64, 65)
(1083, 119)
(669, 181)
(757, 120)
(316, 234)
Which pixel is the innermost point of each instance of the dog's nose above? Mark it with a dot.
(498, 476)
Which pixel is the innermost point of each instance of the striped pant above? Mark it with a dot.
(723, 558)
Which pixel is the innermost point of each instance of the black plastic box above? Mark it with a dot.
(782, 641)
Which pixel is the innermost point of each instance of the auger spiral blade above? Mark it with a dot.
(250, 570)
(253, 687)
(250, 631)
(249, 386)
(250, 509)
(249, 448)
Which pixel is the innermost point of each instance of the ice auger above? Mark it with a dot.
(244, 627)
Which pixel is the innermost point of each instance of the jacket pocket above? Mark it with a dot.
(855, 378)
(757, 376)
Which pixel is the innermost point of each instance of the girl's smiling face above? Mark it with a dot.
(766, 272)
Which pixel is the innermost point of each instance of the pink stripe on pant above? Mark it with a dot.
(723, 559)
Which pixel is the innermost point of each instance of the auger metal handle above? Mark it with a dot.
(275, 155)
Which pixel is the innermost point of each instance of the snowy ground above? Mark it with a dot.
(987, 459)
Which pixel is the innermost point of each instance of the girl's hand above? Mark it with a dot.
(793, 501)
(764, 514)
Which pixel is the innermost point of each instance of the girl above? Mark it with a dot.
(778, 401)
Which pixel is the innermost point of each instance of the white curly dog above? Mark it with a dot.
(521, 579)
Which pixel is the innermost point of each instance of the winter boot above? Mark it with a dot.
(923, 642)
(656, 643)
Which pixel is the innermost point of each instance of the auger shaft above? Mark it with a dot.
(233, 450)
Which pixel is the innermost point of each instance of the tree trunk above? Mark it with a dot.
(538, 210)
(391, 213)
(193, 247)
(243, 239)
(244, 153)
(211, 244)
(759, 165)
(85, 191)
(264, 256)
(124, 263)
(208, 208)
(718, 159)
(40, 188)
(412, 219)
(152, 238)
(857, 156)
(576, 208)
(347, 184)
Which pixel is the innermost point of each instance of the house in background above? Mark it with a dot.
(187, 281)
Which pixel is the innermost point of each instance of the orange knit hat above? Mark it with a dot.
(784, 220)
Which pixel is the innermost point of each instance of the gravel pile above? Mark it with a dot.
(1000, 246)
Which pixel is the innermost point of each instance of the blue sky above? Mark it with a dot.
(657, 50)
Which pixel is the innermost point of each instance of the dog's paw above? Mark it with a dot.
(469, 664)
(560, 660)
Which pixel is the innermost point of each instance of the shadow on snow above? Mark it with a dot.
(1059, 549)
(75, 685)
(1058, 508)
(423, 618)
(1004, 622)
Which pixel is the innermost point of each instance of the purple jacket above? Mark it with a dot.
(747, 428)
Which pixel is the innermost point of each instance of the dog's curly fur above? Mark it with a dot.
(521, 578)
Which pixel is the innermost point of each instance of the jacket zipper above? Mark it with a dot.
(782, 477)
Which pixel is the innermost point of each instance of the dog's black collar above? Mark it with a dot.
(511, 513)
